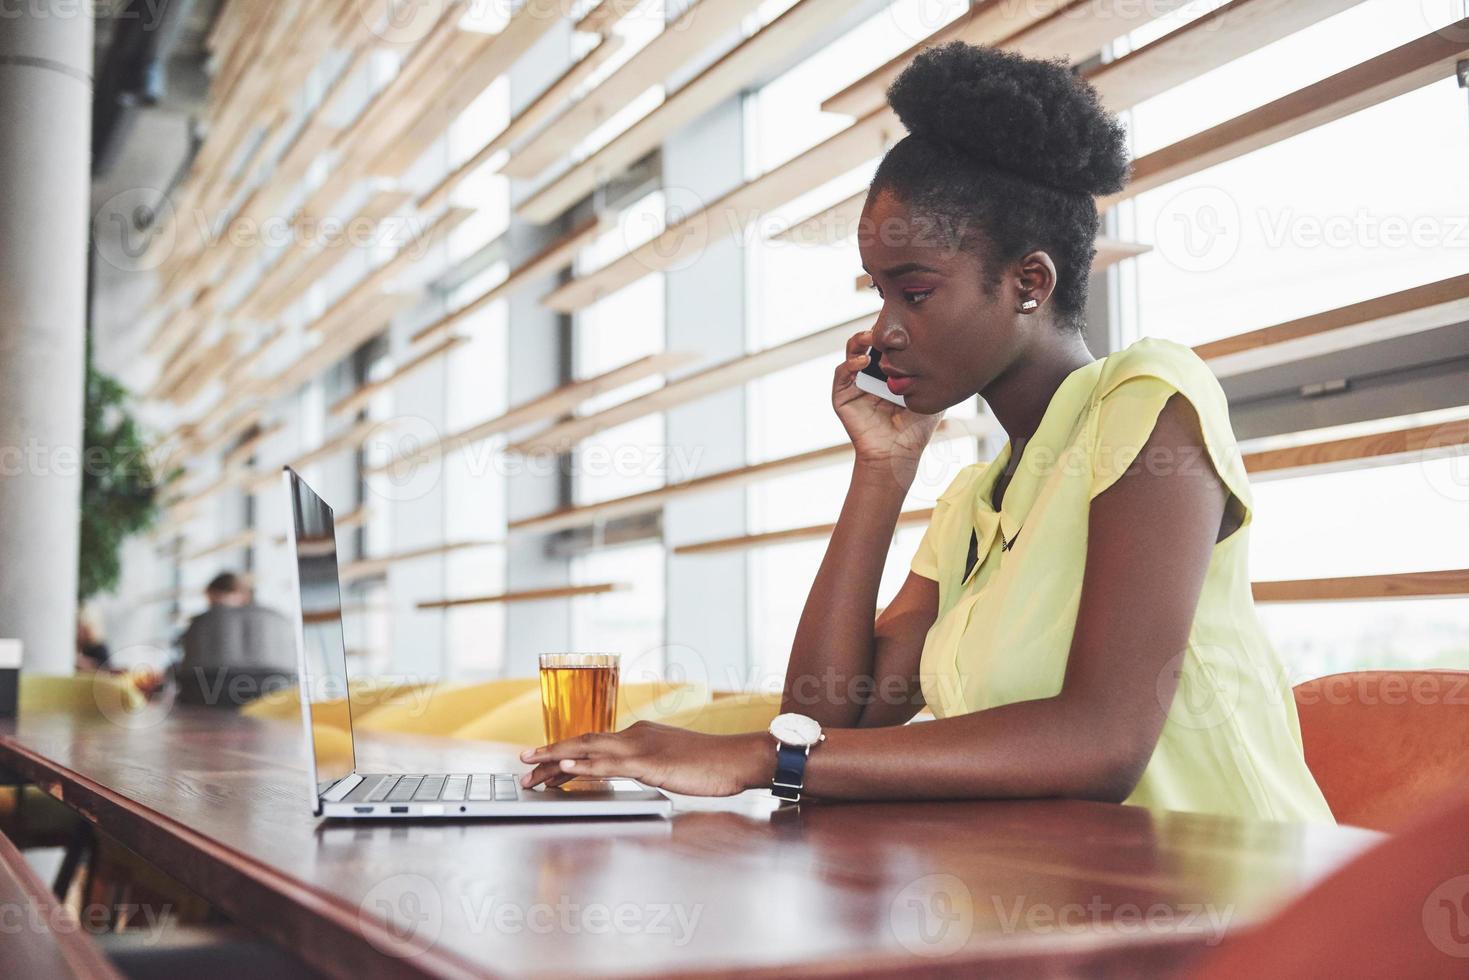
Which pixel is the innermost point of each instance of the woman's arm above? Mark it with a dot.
(845, 670)
(899, 634)
(1149, 541)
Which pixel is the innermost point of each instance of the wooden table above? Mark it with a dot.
(1005, 888)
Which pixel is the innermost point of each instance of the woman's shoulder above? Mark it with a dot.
(1167, 367)
(1152, 355)
(1156, 357)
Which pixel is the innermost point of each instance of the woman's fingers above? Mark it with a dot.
(542, 774)
(846, 372)
(548, 759)
(555, 772)
(856, 359)
(605, 767)
(587, 767)
(572, 748)
(550, 773)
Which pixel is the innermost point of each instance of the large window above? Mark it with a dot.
(474, 492)
(1318, 221)
(1367, 205)
(625, 459)
(789, 107)
(1411, 517)
(457, 498)
(628, 621)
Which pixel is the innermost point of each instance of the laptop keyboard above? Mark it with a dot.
(437, 788)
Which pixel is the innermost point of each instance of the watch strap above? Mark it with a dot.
(790, 771)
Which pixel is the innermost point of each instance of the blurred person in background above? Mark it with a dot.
(92, 653)
(236, 642)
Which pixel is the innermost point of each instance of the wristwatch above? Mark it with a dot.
(795, 735)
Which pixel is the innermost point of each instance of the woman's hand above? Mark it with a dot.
(674, 759)
(885, 435)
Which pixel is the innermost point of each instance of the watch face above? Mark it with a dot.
(794, 729)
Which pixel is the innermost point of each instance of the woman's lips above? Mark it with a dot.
(899, 383)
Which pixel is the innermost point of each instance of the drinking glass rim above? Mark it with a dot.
(578, 659)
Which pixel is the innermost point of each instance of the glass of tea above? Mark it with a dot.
(578, 694)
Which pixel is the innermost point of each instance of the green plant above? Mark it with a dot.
(119, 491)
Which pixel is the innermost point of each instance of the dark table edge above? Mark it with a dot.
(76, 948)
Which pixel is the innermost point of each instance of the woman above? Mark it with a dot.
(1078, 615)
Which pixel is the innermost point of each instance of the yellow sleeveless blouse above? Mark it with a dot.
(1231, 743)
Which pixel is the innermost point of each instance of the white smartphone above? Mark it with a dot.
(871, 380)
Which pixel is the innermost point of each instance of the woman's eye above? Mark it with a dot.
(912, 298)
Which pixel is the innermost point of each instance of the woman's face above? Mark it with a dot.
(936, 323)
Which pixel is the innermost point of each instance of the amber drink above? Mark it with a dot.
(578, 694)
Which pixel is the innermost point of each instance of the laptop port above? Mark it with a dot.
(397, 809)
(362, 809)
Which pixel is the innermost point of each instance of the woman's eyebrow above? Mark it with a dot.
(904, 268)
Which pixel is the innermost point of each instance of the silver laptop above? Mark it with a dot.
(337, 788)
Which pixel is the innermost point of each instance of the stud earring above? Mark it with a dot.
(1029, 305)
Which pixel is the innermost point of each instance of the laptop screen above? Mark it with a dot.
(323, 650)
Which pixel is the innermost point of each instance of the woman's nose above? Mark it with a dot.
(889, 334)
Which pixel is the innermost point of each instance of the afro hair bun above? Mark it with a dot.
(1030, 117)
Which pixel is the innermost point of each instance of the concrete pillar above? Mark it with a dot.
(45, 162)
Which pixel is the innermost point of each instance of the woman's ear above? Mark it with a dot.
(1034, 281)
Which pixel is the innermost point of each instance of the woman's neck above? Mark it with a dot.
(1020, 395)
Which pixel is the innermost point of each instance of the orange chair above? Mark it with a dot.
(1399, 910)
(1384, 745)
